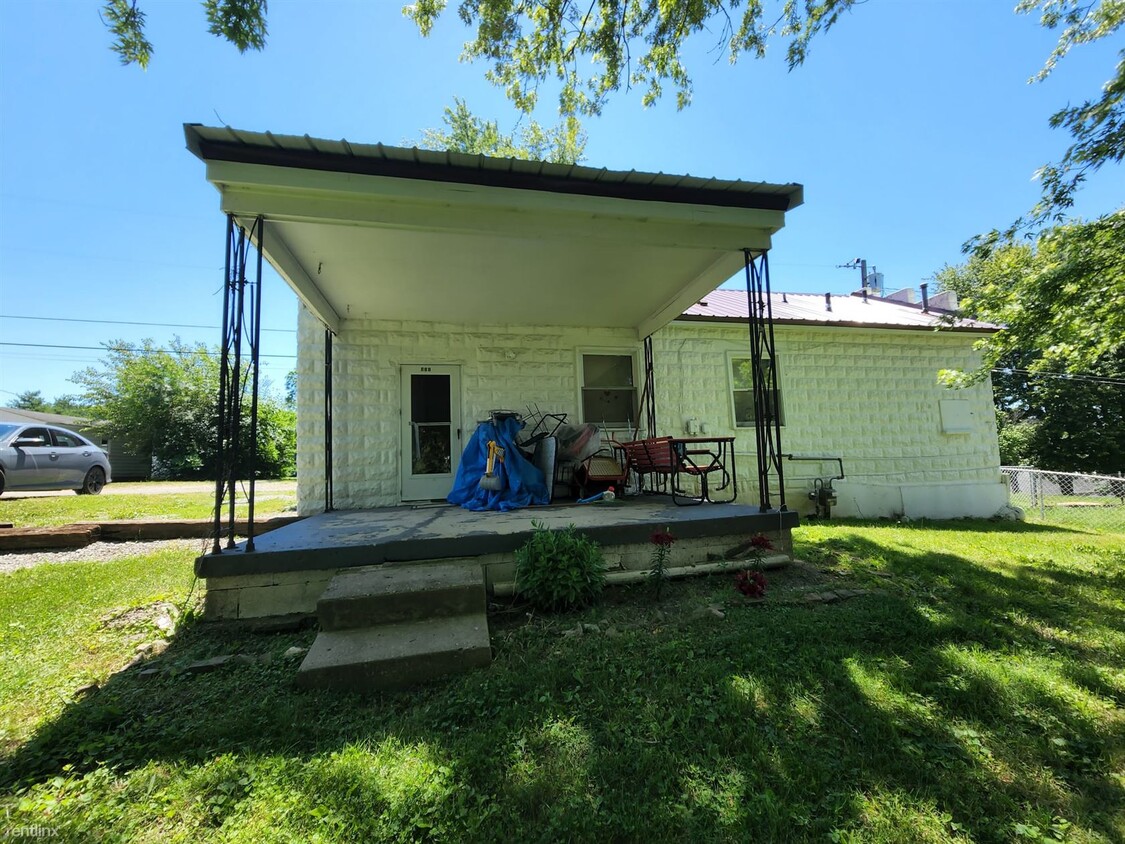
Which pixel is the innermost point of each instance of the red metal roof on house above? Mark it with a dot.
(812, 309)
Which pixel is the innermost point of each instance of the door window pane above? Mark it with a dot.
(429, 398)
(430, 454)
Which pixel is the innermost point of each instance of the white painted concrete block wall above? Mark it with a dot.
(870, 396)
(501, 367)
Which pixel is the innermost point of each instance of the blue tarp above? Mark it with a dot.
(522, 484)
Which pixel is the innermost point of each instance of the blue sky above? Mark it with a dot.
(912, 127)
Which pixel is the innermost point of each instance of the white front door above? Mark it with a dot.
(431, 430)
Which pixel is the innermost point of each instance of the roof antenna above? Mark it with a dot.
(857, 264)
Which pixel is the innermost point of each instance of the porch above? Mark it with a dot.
(290, 567)
(436, 287)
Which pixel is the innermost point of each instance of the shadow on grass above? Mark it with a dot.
(957, 702)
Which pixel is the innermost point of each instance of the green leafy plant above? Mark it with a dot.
(559, 569)
(662, 541)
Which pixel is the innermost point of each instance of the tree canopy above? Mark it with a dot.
(30, 400)
(1058, 367)
(1062, 297)
(564, 143)
(161, 401)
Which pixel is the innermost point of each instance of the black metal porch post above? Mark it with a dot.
(767, 428)
(221, 409)
(232, 384)
(329, 505)
(255, 355)
(650, 388)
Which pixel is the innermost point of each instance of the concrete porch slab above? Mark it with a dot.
(344, 539)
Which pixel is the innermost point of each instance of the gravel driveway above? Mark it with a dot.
(99, 552)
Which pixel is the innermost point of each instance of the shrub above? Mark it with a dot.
(559, 569)
(662, 541)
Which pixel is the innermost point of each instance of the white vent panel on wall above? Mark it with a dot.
(956, 416)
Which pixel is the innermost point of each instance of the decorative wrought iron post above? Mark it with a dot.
(329, 505)
(648, 395)
(238, 321)
(763, 369)
(255, 326)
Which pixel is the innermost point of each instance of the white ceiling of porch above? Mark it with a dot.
(472, 278)
(557, 246)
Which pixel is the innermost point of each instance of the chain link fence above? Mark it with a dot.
(1068, 498)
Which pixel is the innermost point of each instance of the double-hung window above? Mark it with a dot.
(742, 391)
(609, 391)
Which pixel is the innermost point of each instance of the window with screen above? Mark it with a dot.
(609, 392)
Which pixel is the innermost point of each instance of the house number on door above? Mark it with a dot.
(426, 369)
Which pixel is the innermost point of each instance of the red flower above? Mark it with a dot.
(662, 537)
(761, 542)
(752, 584)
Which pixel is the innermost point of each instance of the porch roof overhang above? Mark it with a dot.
(380, 232)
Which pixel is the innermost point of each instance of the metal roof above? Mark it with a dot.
(812, 309)
(211, 143)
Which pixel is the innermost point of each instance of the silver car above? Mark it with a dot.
(34, 457)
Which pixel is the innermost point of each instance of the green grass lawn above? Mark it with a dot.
(1106, 514)
(66, 509)
(976, 694)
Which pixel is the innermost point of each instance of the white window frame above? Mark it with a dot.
(731, 358)
(631, 352)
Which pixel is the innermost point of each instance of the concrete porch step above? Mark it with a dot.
(396, 656)
(390, 594)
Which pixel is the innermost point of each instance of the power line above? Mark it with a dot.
(118, 348)
(55, 253)
(1065, 376)
(48, 200)
(128, 322)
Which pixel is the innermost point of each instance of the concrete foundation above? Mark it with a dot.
(291, 567)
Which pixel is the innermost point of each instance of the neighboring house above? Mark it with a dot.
(126, 466)
(448, 285)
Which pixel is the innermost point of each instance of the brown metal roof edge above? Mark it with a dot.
(965, 329)
(243, 152)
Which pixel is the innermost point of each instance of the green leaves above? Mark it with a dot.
(559, 569)
(241, 22)
(1064, 296)
(594, 49)
(162, 401)
(563, 143)
(126, 23)
(1058, 367)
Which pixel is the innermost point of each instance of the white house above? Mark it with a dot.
(858, 384)
(448, 285)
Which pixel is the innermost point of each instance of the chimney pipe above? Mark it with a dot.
(864, 289)
(925, 297)
(828, 302)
